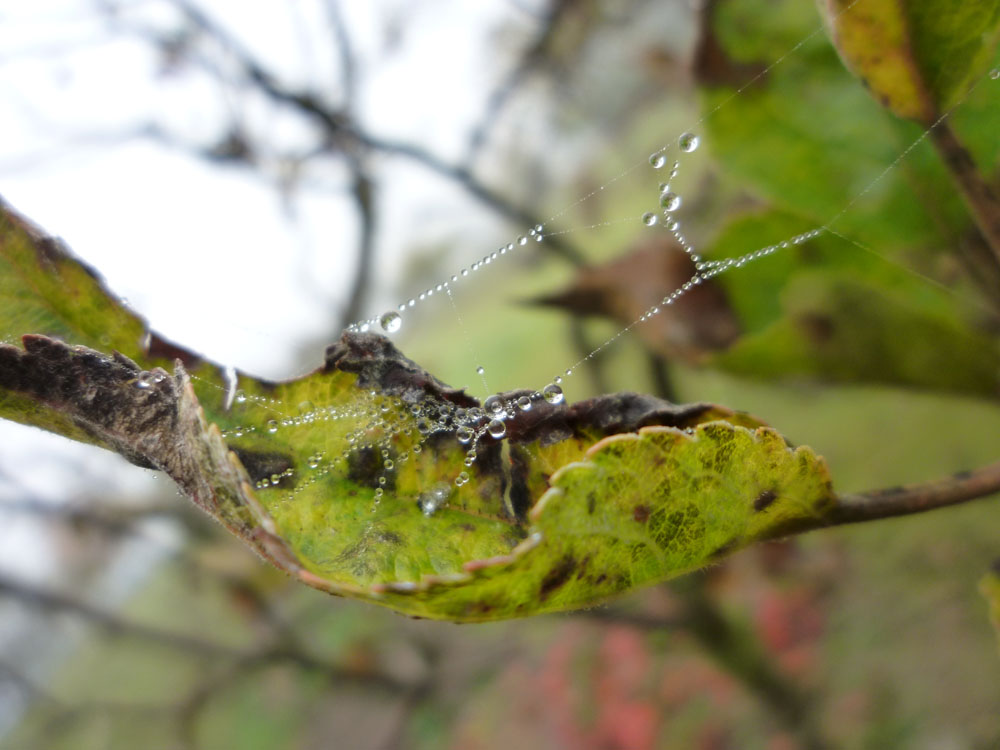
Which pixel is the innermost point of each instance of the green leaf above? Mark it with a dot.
(808, 139)
(577, 503)
(845, 315)
(917, 57)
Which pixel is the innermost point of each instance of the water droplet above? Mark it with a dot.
(388, 464)
(496, 428)
(240, 397)
(480, 370)
(493, 405)
(670, 201)
(995, 73)
(145, 380)
(649, 219)
(391, 321)
(524, 403)
(464, 434)
(434, 498)
(272, 425)
(673, 225)
(657, 159)
(522, 240)
(552, 393)
(688, 142)
(461, 479)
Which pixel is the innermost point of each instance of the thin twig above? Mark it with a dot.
(979, 195)
(918, 498)
(593, 363)
(362, 194)
(659, 372)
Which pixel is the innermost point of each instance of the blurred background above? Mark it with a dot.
(254, 177)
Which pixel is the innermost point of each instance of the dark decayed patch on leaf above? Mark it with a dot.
(623, 289)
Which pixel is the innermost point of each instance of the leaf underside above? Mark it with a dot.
(578, 502)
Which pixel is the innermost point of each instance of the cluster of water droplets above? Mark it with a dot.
(383, 428)
(670, 201)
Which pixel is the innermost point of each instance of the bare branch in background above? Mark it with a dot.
(342, 40)
(340, 131)
(362, 194)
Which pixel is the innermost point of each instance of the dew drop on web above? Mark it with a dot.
(493, 405)
(391, 321)
(688, 142)
(670, 201)
(657, 159)
(552, 393)
(496, 428)
(649, 219)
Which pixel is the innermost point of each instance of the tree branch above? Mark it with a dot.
(917, 498)
(891, 502)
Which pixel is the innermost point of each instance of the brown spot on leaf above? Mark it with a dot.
(557, 577)
(819, 329)
(263, 465)
(641, 513)
(764, 500)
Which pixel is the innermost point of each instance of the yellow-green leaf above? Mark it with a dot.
(916, 56)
